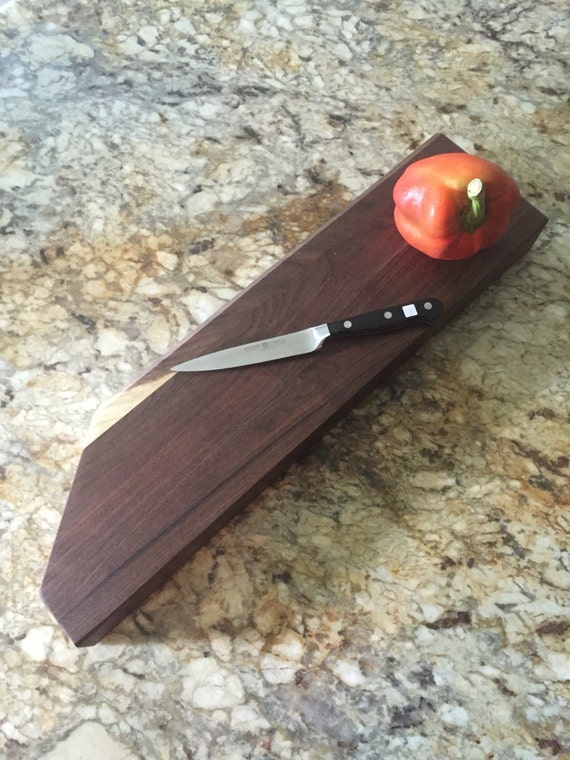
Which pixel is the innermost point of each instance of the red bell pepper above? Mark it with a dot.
(452, 205)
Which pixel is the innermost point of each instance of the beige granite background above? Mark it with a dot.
(404, 592)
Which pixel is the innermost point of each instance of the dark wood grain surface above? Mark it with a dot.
(164, 478)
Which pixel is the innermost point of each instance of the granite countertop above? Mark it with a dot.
(402, 592)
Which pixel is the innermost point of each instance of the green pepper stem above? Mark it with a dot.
(475, 214)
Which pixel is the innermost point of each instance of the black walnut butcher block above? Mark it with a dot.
(174, 457)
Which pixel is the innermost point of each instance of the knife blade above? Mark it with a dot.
(423, 311)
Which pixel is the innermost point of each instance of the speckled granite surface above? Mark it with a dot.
(404, 592)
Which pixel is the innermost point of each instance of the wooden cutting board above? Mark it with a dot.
(177, 455)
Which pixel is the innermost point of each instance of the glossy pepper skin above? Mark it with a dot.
(434, 214)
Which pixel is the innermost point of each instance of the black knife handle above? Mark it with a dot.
(423, 311)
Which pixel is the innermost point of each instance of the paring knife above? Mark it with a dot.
(424, 311)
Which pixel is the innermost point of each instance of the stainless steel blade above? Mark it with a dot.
(279, 347)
